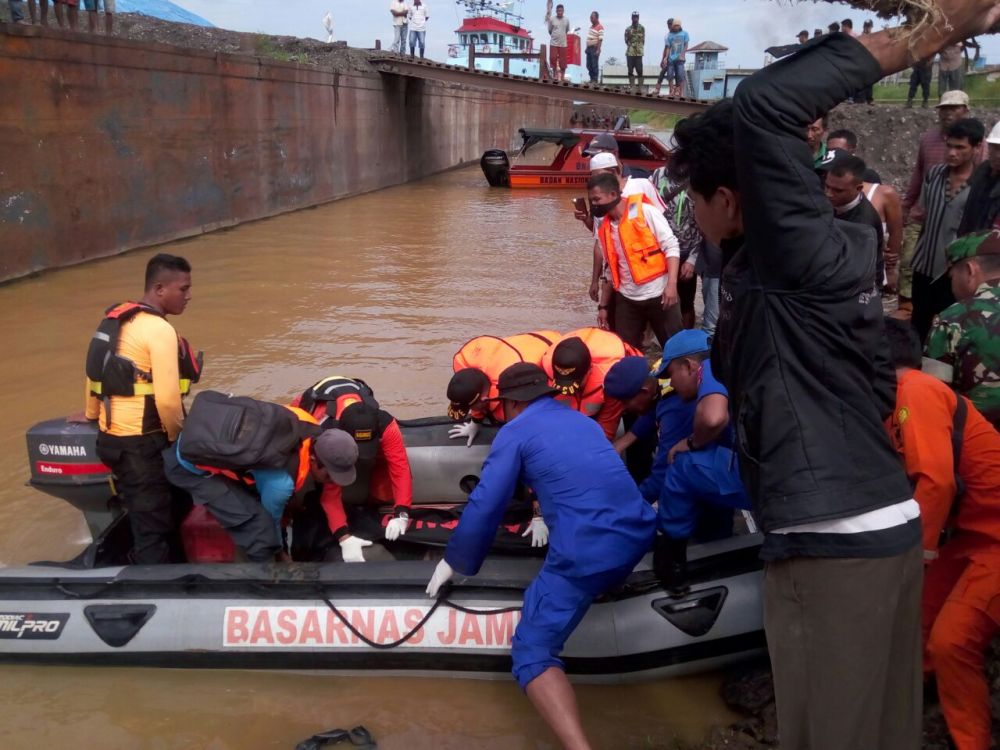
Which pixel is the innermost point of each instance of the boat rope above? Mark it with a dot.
(442, 599)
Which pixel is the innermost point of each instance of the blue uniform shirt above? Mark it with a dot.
(709, 386)
(675, 421)
(597, 519)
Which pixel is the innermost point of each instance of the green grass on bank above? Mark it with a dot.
(980, 91)
(265, 47)
(654, 120)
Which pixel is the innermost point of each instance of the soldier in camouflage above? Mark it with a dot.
(965, 338)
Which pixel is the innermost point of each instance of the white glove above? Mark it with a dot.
(442, 574)
(396, 528)
(539, 532)
(470, 429)
(351, 546)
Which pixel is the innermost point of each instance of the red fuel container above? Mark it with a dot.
(204, 540)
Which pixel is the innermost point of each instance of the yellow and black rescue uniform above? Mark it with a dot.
(137, 372)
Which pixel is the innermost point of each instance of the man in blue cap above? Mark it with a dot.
(703, 486)
(663, 419)
(600, 527)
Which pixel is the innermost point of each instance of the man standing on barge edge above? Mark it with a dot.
(798, 346)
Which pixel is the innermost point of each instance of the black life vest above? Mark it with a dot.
(110, 374)
(337, 393)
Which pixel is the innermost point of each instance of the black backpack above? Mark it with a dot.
(240, 433)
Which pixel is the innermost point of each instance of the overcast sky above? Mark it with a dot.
(747, 27)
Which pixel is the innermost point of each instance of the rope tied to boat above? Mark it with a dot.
(441, 600)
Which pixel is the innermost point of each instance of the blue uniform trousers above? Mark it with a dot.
(553, 606)
(701, 489)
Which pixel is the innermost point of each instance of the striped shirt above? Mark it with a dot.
(932, 150)
(942, 216)
(595, 35)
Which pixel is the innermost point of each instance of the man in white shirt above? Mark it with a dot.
(608, 162)
(418, 16)
(643, 260)
(399, 12)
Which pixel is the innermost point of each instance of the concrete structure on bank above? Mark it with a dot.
(108, 145)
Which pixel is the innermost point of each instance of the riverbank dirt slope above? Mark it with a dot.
(337, 56)
(888, 135)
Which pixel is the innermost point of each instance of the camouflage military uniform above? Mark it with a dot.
(966, 337)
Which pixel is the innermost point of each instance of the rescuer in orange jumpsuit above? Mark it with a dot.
(577, 363)
(477, 366)
(960, 508)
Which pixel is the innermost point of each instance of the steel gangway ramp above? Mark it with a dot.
(391, 63)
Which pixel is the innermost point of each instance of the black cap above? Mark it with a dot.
(570, 362)
(524, 382)
(838, 158)
(465, 387)
(360, 421)
(604, 141)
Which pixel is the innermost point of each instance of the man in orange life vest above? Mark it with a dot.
(642, 257)
(952, 454)
(577, 363)
(383, 472)
(249, 501)
(477, 366)
(137, 372)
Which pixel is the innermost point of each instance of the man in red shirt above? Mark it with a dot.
(383, 470)
(952, 455)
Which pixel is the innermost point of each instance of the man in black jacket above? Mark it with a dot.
(982, 207)
(844, 186)
(797, 345)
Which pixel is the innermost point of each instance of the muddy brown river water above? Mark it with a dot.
(385, 287)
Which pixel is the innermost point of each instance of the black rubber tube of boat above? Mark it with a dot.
(443, 599)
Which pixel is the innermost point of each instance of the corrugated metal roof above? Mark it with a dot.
(708, 47)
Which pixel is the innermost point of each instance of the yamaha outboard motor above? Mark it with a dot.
(64, 464)
(496, 167)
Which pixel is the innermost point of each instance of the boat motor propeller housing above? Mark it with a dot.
(496, 167)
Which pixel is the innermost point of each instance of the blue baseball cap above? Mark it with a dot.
(687, 342)
(626, 377)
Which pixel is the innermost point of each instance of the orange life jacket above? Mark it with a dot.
(645, 260)
(605, 348)
(301, 470)
(491, 355)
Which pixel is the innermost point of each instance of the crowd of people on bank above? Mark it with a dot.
(67, 13)
(868, 458)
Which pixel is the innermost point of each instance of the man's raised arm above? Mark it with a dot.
(786, 216)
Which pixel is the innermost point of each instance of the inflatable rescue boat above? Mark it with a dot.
(341, 617)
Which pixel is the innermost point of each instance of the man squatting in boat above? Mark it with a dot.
(841, 528)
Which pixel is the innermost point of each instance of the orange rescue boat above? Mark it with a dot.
(555, 158)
